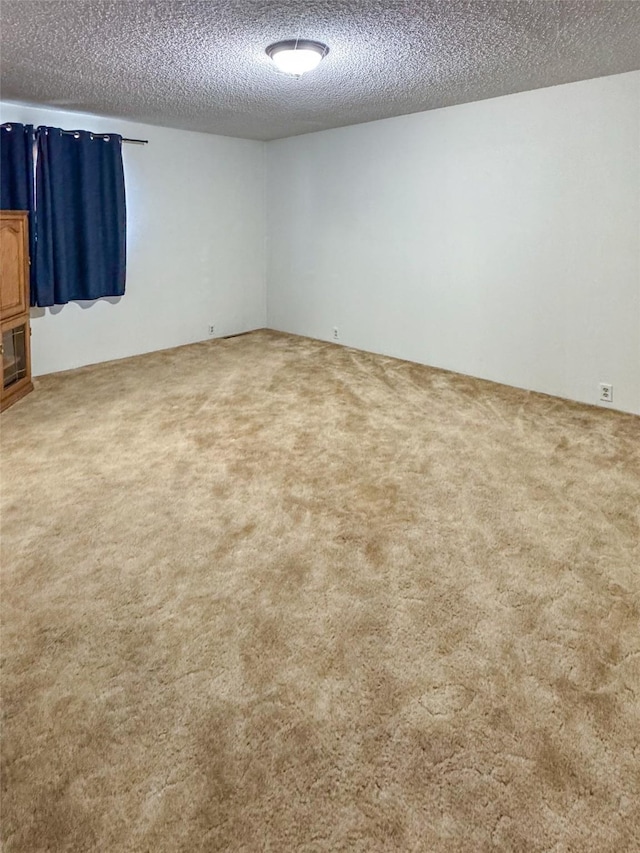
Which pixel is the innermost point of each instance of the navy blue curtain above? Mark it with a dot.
(17, 179)
(81, 216)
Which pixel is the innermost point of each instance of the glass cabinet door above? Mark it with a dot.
(14, 355)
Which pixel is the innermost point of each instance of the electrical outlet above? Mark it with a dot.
(212, 329)
(606, 392)
(335, 333)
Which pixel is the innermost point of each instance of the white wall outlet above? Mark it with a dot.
(211, 329)
(606, 392)
(335, 333)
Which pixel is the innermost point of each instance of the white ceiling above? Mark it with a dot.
(202, 65)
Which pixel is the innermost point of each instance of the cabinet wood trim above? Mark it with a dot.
(14, 297)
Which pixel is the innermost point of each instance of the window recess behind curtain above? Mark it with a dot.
(79, 215)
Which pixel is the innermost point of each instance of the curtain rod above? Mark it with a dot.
(7, 124)
(106, 136)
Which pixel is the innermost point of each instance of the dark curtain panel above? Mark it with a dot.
(81, 247)
(17, 179)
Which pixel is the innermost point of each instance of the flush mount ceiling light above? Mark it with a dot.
(297, 56)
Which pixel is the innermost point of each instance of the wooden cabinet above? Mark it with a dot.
(14, 306)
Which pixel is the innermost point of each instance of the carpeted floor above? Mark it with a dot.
(273, 594)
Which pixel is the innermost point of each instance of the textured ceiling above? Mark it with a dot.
(202, 65)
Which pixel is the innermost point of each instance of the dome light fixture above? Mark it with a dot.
(297, 56)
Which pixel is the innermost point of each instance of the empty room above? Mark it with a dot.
(320, 431)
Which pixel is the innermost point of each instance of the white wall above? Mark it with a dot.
(196, 238)
(499, 239)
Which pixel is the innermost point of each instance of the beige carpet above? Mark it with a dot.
(274, 594)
